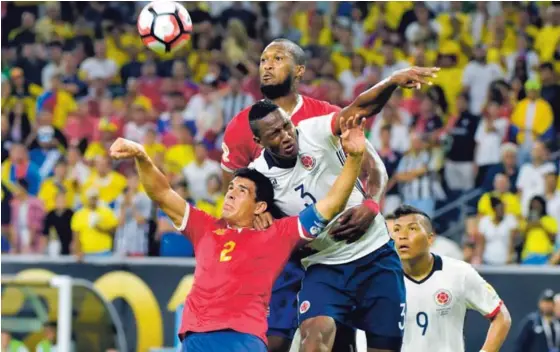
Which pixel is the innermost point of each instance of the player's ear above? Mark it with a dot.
(300, 70)
(257, 140)
(431, 238)
(260, 208)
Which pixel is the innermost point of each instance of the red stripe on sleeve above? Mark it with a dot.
(495, 311)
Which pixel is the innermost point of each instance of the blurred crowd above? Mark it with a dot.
(75, 76)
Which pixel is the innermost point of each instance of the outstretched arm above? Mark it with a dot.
(372, 100)
(154, 181)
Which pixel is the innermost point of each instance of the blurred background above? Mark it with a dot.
(75, 76)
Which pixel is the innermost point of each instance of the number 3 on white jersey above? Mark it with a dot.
(403, 314)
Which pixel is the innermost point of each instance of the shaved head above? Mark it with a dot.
(295, 50)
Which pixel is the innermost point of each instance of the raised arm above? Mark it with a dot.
(372, 100)
(154, 181)
(353, 141)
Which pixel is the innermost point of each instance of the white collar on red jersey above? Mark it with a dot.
(298, 106)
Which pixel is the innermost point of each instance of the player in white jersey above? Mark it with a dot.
(358, 284)
(439, 290)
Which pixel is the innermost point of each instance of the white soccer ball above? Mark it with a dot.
(164, 26)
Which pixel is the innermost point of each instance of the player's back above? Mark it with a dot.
(320, 160)
(436, 306)
(239, 148)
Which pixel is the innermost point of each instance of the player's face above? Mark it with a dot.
(277, 71)
(278, 135)
(240, 204)
(411, 236)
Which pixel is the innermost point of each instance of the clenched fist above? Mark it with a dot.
(125, 149)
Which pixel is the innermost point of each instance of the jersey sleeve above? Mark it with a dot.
(237, 144)
(195, 223)
(480, 295)
(290, 233)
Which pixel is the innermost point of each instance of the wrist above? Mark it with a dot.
(372, 205)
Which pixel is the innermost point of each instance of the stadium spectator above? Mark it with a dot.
(93, 227)
(138, 125)
(551, 92)
(460, 131)
(498, 232)
(507, 166)
(391, 160)
(477, 77)
(501, 191)
(539, 233)
(552, 197)
(58, 183)
(523, 56)
(204, 110)
(18, 167)
(53, 67)
(417, 175)
(49, 342)
(489, 135)
(423, 29)
(530, 181)
(10, 344)
(539, 329)
(132, 98)
(391, 63)
(181, 154)
(353, 76)
(234, 101)
(107, 183)
(57, 233)
(107, 135)
(68, 70)
(47, 147)
(198, 171)
(399, 131)
(151, 143)
(214, 199)
(132, 209)
(19, 126)
(99, 66)
(24, 34)
(532, 119)
(26, 214)
(78, 171)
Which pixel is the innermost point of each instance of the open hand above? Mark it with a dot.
(414, 77)
(125, 149)
(353, 224)
(352, 134)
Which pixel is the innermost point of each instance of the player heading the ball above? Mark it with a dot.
(236, 264)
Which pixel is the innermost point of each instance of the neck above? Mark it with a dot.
(419, 267)
(287, 103)
(537, 162)
(241, 224)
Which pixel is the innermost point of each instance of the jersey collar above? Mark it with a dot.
(273, 161)
(438, 265)
(298, 106)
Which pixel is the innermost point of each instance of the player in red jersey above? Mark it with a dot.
(237, 264)
(281, 68)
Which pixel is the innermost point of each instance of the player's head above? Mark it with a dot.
(282, 65)
(273, 129)
(412, 232)
(250, 193)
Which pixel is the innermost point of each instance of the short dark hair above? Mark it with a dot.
(390, 216)
(295, 50)
(406, 209)
(495, 201)
(546, 66)
(258, 111)
(264, 191)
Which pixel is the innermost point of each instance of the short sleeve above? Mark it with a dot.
(467, 76)
(549, 224)
(319, 129)
(195, 223)
(480, 295)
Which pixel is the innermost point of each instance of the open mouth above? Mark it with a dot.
(266, 77)
(289, 149)
(403, 248)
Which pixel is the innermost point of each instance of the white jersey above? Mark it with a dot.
(436, 306)
(320, 161)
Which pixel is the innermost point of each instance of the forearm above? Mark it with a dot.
(377, 177)
(372, 100)
(338, 195)
(498, 331)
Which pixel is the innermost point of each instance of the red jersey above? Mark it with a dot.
(239, 149)
(235, 271)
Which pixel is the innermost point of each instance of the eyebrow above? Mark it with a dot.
(245, 188)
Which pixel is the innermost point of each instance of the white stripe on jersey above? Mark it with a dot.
(320, 161)
(436, 306)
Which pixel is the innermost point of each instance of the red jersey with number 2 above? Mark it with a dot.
(239, 149)
(235, 271)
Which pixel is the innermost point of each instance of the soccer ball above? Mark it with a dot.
(164, 26)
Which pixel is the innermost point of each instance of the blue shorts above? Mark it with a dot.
(368, 294)
(222, 341)
(282, 316)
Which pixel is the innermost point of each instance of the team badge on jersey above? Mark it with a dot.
(220, 232)
(304, 307)
(443, 298)
(308, 161)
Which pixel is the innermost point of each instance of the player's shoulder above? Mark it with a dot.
(320, 106)
(452, 265)
(260, 164)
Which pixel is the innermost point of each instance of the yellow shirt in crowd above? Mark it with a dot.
(537, 240)
(178, 156)
(109, 187)
(98, 238)
(510, 200)
(49, 190)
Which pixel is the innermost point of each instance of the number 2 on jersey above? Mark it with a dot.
(228, 248)
(304, 195)
(422, 321)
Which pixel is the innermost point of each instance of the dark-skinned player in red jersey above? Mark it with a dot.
(281, 68)
(237, 264)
